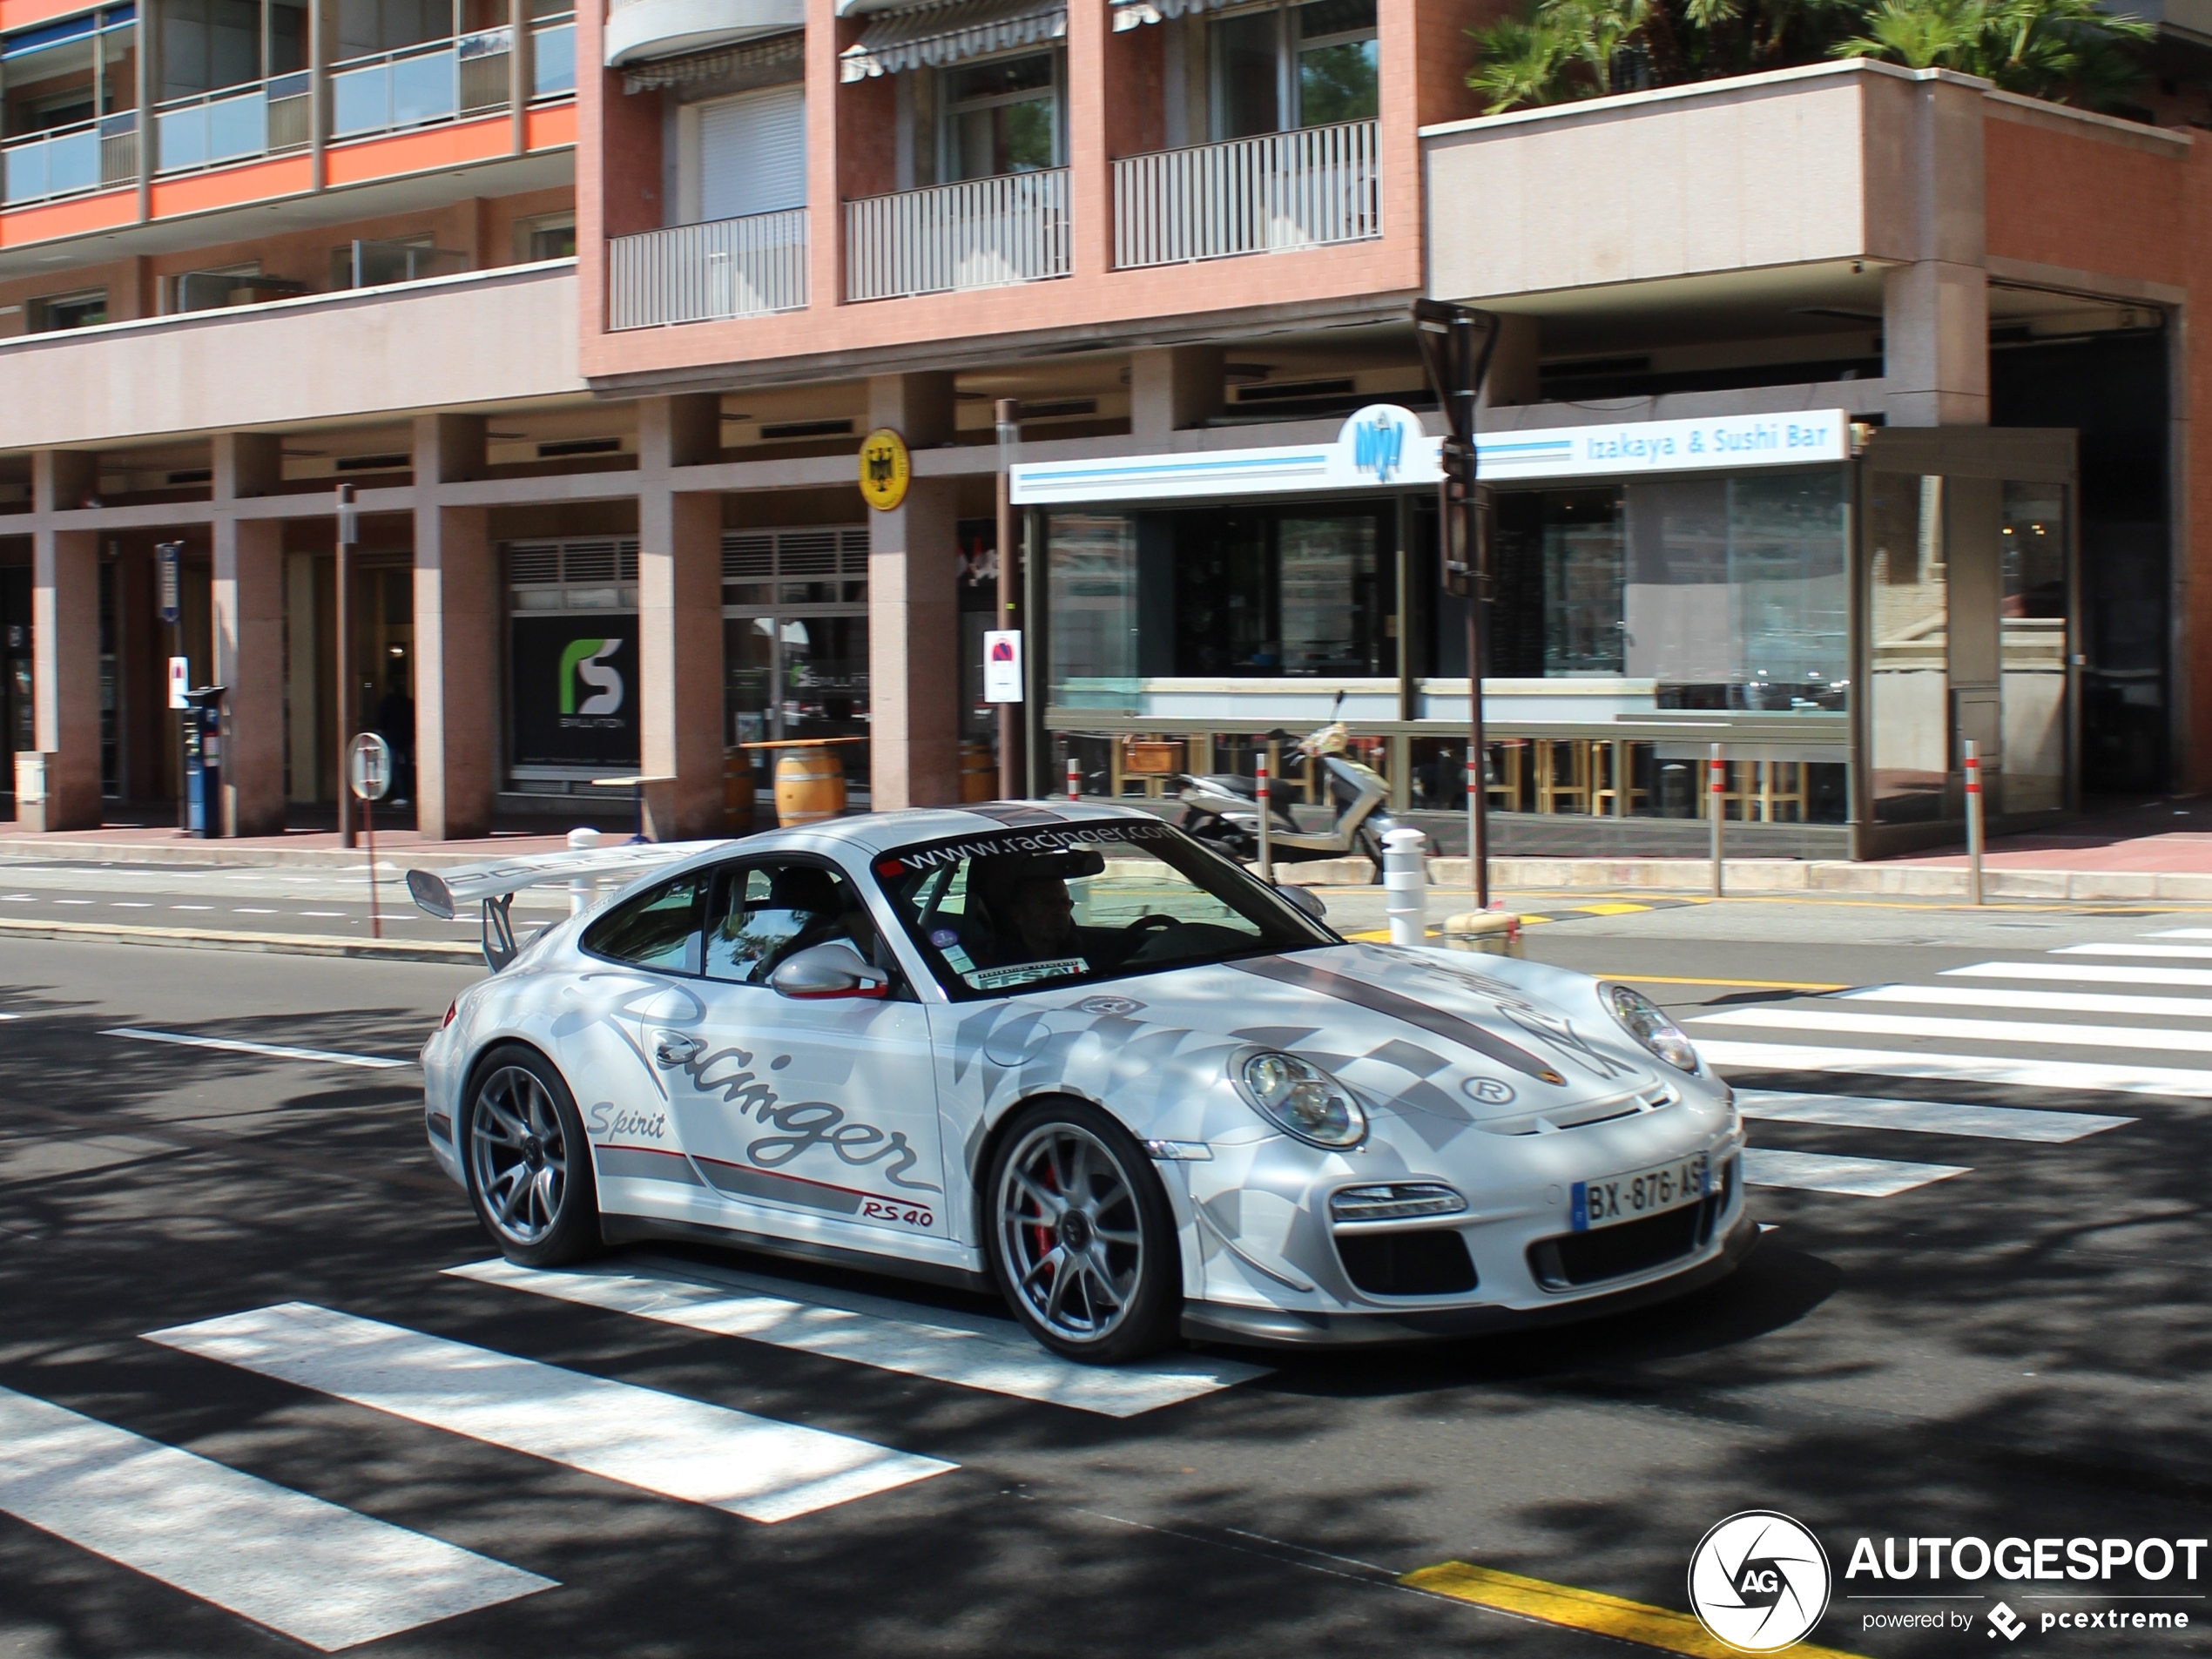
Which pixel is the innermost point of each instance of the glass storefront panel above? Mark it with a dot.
(1091, 587)
(2032, 647)
(1909, 619)
(1327, 598)
(795, 641)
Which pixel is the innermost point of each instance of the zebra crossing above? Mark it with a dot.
(333, 1578)
(1975, 1012)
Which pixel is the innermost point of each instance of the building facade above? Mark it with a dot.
(595, 309)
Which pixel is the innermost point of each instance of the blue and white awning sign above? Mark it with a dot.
(1384, 446)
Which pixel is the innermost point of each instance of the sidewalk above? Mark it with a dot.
(311, 848)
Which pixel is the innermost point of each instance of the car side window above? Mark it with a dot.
(659, 928)
(763, 914)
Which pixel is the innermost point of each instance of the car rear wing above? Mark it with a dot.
(442, 893)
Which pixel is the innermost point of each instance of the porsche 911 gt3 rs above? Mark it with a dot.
(1071, 1053)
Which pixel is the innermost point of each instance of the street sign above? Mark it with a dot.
(179, 681)
(885, 469)
(1002, 665)
(368, 765)
(167, 606)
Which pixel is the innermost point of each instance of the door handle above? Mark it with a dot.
(672, 1049)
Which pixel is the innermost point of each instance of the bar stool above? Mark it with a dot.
(1504, 780)
(1551, 787)
(1737, 789)
(1613, 792)
(1772, 794)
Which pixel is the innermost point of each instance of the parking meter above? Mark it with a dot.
(204, 761)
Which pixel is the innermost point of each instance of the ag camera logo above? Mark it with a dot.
(1759, 1581)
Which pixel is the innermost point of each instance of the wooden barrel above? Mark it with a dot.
(810, 785)
(737, 792)
(979, 772)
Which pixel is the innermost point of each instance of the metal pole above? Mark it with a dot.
(1716, 804)
(1478, 802)
(1009, 433)
(1075, 773)
(369, 824)
(177, 649)
(1266, 837)
(348, 534)
(1974, 824)
(1475, 783)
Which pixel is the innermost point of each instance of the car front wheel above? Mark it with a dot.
(1082, 1240)
(528, 1162)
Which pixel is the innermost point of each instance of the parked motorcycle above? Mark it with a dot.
(1222, 809)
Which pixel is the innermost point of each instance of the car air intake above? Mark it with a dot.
(1425, 1262)
(1573, 1259)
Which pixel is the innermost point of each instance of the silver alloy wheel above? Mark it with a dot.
(518, 1154)
(1069, 1223)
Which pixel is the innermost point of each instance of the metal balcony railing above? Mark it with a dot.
(727, 268)
(71, 160)
(444, 80)
(983, 233)
(1264, 195)
(234, 124)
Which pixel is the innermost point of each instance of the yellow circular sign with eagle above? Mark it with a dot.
(885, 469)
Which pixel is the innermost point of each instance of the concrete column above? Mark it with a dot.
(1171, 388)
(679, 620)
(456, 637)
(913, 612)
(66, 649)
(248, 597)
(1091, 205)
(1935, 308)
(305, 691)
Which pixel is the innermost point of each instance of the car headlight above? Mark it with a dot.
(1304, 1101)
(1648, 1024)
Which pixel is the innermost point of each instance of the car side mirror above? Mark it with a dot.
(1304, 899)
(829, 970)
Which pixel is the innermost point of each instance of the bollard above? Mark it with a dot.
(1266, 831)
(1716, 803)
(1974, 824)
(1405, 887)
(581, 887)
(1075, 776)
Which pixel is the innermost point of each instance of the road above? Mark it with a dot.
(1978, 1311)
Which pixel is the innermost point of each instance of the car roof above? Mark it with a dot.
(874, 833)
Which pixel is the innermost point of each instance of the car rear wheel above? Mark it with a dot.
(528, 1162)
(1082, 1240)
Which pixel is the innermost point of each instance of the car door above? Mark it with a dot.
(813, 1118)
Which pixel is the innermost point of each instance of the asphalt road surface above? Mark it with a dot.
(1979, 1142)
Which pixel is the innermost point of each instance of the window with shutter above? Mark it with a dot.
(752, 153)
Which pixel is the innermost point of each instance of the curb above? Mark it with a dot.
(388, 950)
(1768, 878)
(187, 855)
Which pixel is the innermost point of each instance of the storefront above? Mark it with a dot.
(1660, 587)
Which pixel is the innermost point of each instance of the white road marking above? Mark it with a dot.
(1983, 996)
(2088, 973)
(1854, 1177)
(2044, 1034)
(272, 1050)
(2196, 951)
(321, 913)
(16, 897)
(314, 1572)
(2009, 1069)
(130, 904)
(663, 1443)
(973, 1351)
(1925, 1116)
(191, 906)
(73, 901)
(2180, 933)
(237, 911)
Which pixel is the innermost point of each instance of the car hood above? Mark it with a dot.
(1423, 1033)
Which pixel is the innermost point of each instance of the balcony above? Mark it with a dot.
(234, 124)
(71, 160)
(1270, 194)
(727, 268)
(984, 233)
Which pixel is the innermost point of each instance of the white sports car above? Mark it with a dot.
(1069, 1052)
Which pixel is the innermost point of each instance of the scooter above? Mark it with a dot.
(1222, 809)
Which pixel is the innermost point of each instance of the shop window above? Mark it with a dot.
(1909, 620)
(552, 236)
(795, 640)
(1282, 67)
(64, 311)
(1000, 115)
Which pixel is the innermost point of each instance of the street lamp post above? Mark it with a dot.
(348, 538)
(1009, 733)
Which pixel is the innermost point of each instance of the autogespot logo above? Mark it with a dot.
(1759, 1581)
(582, 661)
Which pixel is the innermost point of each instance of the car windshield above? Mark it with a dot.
(997, 913)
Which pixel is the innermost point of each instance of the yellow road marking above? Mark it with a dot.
(1602, 1615)
(1756, 984)
(1614, 907)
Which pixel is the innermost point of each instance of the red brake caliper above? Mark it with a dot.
(1041, 1236)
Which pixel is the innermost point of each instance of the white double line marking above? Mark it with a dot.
(2086, 974)
(663, 1443)
(1984, 997)
(971, 1350)
(1923, 1117)
(1854, 1177)
(321, 1574)
(2007, 1069)
(269, 1050)
(1908, 1025)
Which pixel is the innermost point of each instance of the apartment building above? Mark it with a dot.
(1819, 410)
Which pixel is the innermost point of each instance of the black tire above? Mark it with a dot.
(527, 1162)
(1127, 1238)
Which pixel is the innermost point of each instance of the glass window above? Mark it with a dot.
(1245, 51)
(996, 914)
(2032, 647)
(658, 929)
(1091, 577)
(1336, 64)
(1002, 116)
(1909, 621)
(69, 311)
(1327, 594)
(765, 913)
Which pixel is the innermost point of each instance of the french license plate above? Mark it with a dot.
(1642, 1192)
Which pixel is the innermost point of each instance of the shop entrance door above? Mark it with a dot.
(795, 641)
